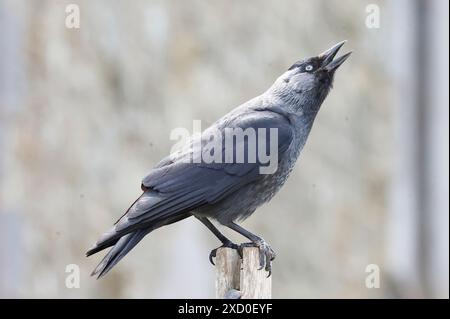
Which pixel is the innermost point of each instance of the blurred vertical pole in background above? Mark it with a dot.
(11, 79)
(418, 226)
(435, 102)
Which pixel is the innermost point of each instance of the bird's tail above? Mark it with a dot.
(119, 250)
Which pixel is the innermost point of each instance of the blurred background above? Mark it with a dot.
(86, 112)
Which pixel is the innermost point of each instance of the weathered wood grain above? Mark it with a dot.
(241, 278)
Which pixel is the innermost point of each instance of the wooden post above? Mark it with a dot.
(238, 278)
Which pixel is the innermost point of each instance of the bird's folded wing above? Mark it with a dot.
(179, 186)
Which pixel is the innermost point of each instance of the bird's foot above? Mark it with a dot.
(266, 254)
(213, 252)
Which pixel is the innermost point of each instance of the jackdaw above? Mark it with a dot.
(229, 190)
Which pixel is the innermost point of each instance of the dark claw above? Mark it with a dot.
(213, 252)
(212, 255)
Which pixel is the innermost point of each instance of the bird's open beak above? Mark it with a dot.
(328, 63)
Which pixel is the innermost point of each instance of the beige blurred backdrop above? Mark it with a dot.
(86, 112)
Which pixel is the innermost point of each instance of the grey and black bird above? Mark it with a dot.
(228, 191)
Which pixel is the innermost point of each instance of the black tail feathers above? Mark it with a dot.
(120, 249)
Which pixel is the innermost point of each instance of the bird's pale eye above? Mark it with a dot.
(309, 67)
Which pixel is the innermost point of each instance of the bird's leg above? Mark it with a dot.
(225, 241)
(266, 254)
